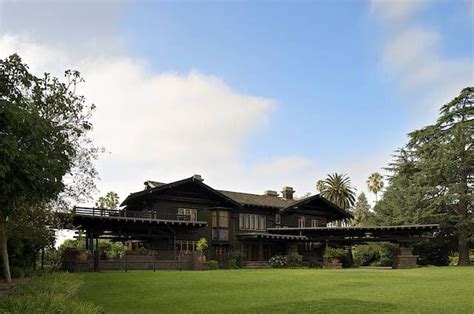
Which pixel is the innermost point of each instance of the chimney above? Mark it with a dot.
(287, 192)
(198, 177)
(271, 193)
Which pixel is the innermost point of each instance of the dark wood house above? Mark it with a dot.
(169, 218)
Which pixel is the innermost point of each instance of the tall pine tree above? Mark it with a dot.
(432, 177)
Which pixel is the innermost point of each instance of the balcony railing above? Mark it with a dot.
(146, 214)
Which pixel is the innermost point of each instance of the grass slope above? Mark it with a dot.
(428, 290)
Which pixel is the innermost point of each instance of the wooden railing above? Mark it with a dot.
(148, 214)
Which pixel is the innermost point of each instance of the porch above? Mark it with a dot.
(260, 247)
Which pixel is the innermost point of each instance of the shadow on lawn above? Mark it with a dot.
(328, 306)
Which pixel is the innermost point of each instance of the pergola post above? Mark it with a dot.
(405, 257)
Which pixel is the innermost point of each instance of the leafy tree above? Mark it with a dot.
(337, 188)
(320, 185)
(432, 179)
(45, 154)
(110, 200)
(305, 195)
(375, 183)
(361, 211)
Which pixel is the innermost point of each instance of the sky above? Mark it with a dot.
(251, 95)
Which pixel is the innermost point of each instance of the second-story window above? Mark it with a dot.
(277, 219)
(252, 222)
(220, 225)
(301, 222)
(189, 214)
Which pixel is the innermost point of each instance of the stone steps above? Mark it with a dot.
(256, 264)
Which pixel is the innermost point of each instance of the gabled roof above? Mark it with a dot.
(194, 180)
(318, 199)
(258, 200)
(239, 198)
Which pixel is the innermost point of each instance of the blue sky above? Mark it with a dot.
(252, 95)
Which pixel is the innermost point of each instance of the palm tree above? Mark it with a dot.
(320, 186)
(337, 188)
(375, 183)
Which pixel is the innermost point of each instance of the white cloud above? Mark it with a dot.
(167, 126)
(414, 55)
(396, 9)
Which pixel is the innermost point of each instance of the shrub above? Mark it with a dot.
(213, 264)
(294, 260)
(339, 254)
(235, 261)
(51, 293)
(314, 264)
(433, 253)
(17, 272)
(374, 254)
(201, 246)
(277, 261)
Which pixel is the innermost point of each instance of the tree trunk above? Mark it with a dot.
(4, 248)
(463, 248)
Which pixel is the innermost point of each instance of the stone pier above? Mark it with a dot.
(405, 258)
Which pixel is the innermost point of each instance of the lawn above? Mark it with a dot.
(428, 290)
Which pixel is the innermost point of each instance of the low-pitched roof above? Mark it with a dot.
(258, 200)
(239, 198)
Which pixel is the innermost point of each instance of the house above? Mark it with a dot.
(169, 218)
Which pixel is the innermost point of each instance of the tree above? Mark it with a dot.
(337, 188)
(432, 179)
(361, 211)
(45, 154)
(375, 183)
(110, 200)
(320, 186)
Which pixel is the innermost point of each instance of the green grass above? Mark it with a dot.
(427, 290)
(48, 293)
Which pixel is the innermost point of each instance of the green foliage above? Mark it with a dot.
(213, 264)
(337, 188)
(338, 254)
(235, 261)
(46, 156)
(434, 252)
(110, 201)
(314, 263)
(294, 260)
(374, 254)
(361, 212)
(277, 261)
(201, 246)
(432, 177)
(51, 293)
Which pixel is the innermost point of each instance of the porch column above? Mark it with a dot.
(260, 250)
(405, 257)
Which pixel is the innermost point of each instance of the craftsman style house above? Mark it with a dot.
(228, 220)
(169, 219)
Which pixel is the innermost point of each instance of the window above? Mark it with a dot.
(223, 219)
(186, 246)
(252, 222)
(277, 219)
(301, 222)
(220, 223)
(189, 214)
(314, 223)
